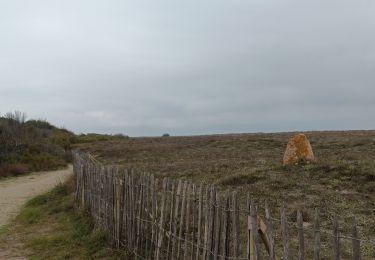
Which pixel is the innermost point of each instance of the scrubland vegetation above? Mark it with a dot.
(341, 182)
(37, 145)
(50, 227)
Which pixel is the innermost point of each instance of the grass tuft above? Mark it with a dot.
(3, 229)
(56, 230)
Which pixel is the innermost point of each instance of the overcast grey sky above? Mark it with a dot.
(190, 66)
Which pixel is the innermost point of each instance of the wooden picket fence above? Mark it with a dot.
(176, 219)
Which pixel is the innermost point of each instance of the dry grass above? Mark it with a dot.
(342, 182)
(49, 227)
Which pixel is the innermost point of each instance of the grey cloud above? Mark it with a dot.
(186, 67)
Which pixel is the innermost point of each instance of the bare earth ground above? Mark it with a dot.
(14, 192)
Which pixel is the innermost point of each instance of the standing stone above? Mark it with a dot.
(298, 149)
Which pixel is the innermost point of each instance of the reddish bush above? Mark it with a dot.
(2, 172)
(17, 169)
(13, 170)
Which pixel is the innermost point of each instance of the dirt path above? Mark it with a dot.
(15, 192)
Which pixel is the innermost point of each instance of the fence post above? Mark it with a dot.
(225, 224)
(217, 226)
(171, 217)
(200, 212)
(177, 204)
(284, 233)
(336, 240)
(356, 242)
(83, 187)
(316, 235)
(270, 233)
(254, 246)
(301, 241)
(194, 216)
(187, 227)
(117, 181)
(211, 209)
(161, 222)
(235, 225)
(183, 206)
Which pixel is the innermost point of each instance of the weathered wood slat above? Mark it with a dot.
(335, 240)
(175, 220)
(217, 226)
(199, 229)
(301, 240)
(316, 235)
(118, 205)
(187, 226)
(161, 221)
(156, 217)
(171, 219)
(249, 243)
(211, 209)
(254, 233)
(206, 220)
(284, 234)
(271, 248)
(235, 225)
(182, 216)
(356, 244)
(194, 217)
(225, 225)
(147, 223)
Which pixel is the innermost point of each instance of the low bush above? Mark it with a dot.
(18, 169)
(91, 138)
(7, 170)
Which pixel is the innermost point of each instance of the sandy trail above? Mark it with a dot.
(14, 192)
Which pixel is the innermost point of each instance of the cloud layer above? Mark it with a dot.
(188, 67)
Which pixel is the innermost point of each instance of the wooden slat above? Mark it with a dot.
(206, 220)
(148, 213)
(171, 219)
(118, 205)
(155, 223)
(161, 221)
(175, 219)
(335, 240)
(356, 244)
(139, 212)
(249, 243)
(187, 226)
(301, 241)
(254, 232)
(210, 224)
(217, 226)
(316, 235)
(270, 238)
(182, 217)
(194, 217)
(199, 223)
(153, 217)
(235, 226)
(284, 234)
(225, 225)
